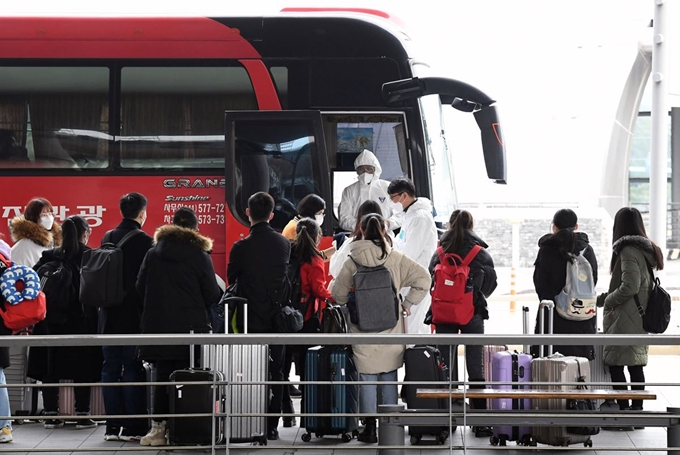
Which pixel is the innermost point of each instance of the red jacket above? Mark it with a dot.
(313, 285)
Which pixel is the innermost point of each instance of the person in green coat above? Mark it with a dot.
(632, 256)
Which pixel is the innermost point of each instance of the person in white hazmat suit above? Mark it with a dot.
(368, 186)
(417, 239)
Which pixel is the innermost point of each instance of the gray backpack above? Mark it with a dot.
(374, 305)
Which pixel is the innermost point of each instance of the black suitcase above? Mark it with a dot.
(195, 399)
(424, 364)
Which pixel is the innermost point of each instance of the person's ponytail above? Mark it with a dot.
(373, 227)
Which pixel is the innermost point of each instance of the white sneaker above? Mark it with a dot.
(6, 435)
(155, 436)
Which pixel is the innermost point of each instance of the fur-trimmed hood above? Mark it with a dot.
(642, 243)
(21, 228)
(178, 243)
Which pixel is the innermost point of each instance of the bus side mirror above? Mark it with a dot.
(492, 143)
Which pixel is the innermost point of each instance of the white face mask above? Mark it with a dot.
(366, 178)
(319, 219)
(397, 207)
(47, 221)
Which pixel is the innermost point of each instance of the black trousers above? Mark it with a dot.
(277, 357)
(474, 355)
(161, 399)
(637, 374)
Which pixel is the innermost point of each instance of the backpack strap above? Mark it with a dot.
(652, 281)
(127, 237)
(471, 254)
(441, 253)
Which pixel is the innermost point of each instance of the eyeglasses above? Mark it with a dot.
(392, 196)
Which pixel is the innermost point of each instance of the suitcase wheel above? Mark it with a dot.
(346, 437)
(495, 441)
(442, 437)
(415, 439)
(306, 437)
(588, 443)
(526, 441)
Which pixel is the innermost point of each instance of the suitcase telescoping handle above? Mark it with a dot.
(192, 348)
(525, 326)
(549, 306)
(240, 302)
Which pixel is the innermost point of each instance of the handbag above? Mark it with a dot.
(288, 320)
(582, 405)
(335, 319)
(657, 316)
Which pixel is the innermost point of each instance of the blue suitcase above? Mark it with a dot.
(332, 364)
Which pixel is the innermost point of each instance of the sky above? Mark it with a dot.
(556, 69)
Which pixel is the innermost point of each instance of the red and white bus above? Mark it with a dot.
(205, 111)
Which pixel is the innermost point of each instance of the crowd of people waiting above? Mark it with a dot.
(386, 224)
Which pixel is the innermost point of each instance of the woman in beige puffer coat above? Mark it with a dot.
(379, 362)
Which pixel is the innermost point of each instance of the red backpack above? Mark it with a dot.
(22, 315)
(452, 292)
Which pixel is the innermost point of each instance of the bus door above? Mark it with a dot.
(282, 153)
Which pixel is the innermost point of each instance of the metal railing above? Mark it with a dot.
(323, 339)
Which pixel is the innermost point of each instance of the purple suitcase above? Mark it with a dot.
(511, 367)
(488, 353)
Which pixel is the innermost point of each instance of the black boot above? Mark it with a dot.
(369, 434)
(288, 422)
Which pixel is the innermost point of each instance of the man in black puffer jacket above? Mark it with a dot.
(177, 284)
(550, 275)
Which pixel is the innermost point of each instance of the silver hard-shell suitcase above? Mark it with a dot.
(242, 364)
(558, 369)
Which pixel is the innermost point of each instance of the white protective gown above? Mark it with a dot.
(356, 193)
(418, 240)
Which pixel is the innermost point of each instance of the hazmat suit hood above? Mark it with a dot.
(368, 158)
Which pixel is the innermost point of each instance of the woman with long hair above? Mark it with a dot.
(305, 254)
(633, 257)
(550, 276)
(460, 239)
(379, 362)
(82, 363)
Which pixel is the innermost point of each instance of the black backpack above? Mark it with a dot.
(101, 275)
(56, 282)
(374, 303)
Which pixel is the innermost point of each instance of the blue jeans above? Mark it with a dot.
(368, 393)
(5, 410)
(120, 365)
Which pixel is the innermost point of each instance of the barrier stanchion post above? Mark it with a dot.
(513, 289)
(390, 429)
(515, 262)
(673, 434)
